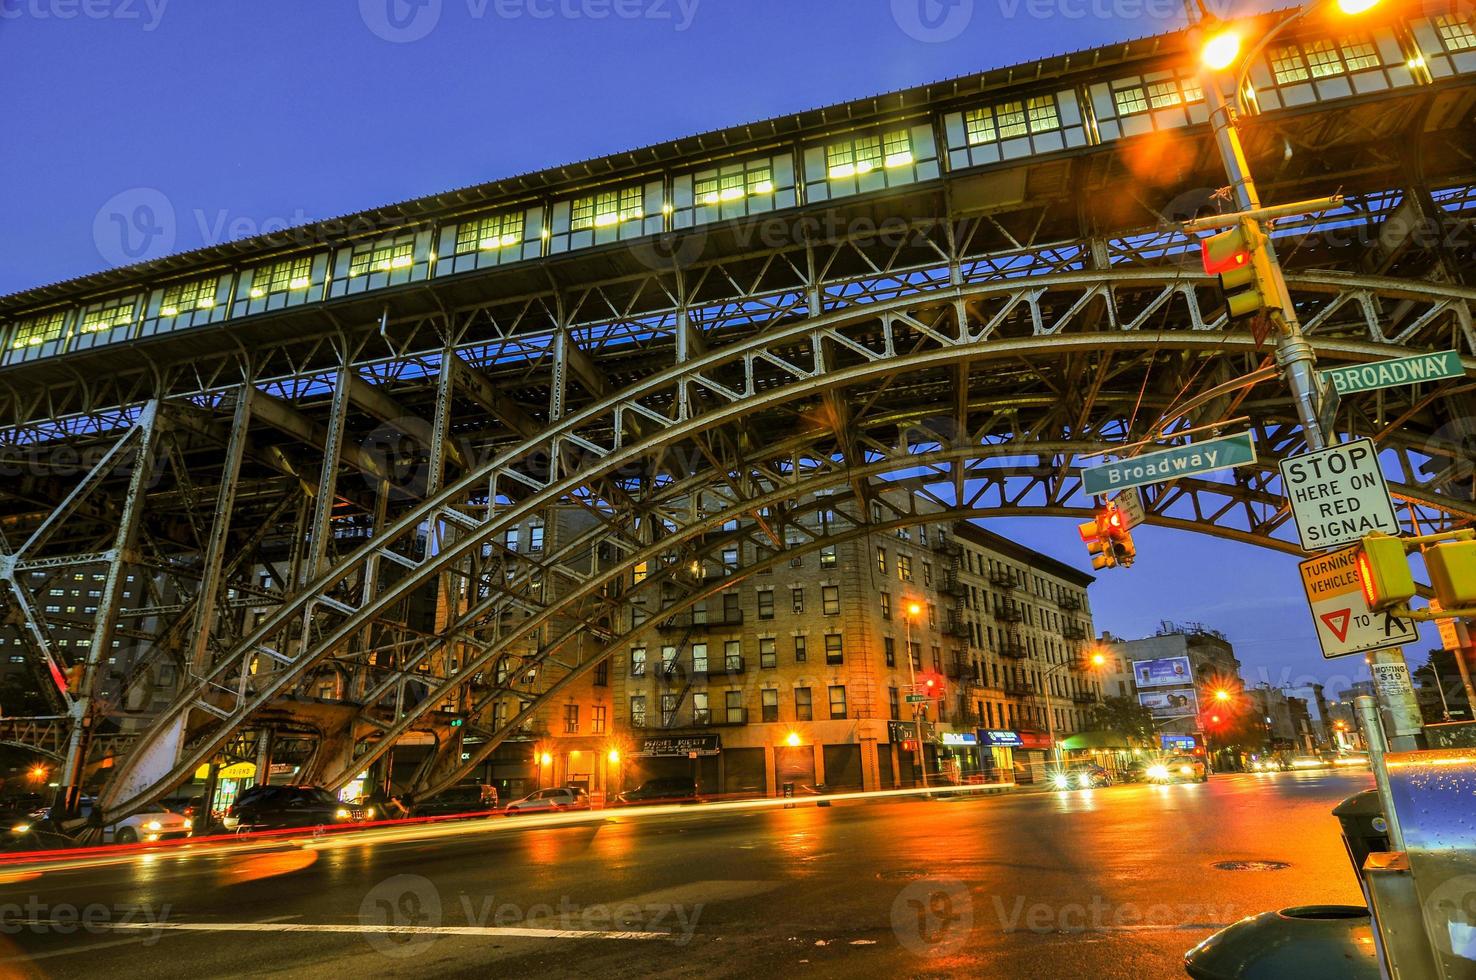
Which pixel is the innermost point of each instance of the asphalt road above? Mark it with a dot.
(1113, 883)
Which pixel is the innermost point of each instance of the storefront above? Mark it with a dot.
(1109, 750)
(958, 756)
(696, 757)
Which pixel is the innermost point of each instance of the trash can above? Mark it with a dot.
(1317, 942)
(1364, 828)
(822, 789)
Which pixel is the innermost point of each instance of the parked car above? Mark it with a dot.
(1308, 760)
(271, 807)
(1081, 776)
(550, 801)
(471, 799)
(1270, 763)
(666, 789)
(161, 823)
(1177, 769)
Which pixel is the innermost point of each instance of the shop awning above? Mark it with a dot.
(1093, 740)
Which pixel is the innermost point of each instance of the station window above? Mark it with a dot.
(490, 233)
(197, 295)
(281, 277)
(114, 313)
(37, 330)
(1008, 120)
(383, 257)
(755, 178)
(606, 208)
(1457, 33)
(863, 154)
(1322, 59)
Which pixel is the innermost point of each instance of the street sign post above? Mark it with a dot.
(1344, 622)
(1338, 495)
(917, 698)
(1438, 366)
(1170, 464)
(1130, 506)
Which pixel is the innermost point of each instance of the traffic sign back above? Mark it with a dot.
(1343, 620)
(1338, 495)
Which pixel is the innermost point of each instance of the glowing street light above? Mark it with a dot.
(793, 739)
(1221, 50)
(545, 759)
(1222, 695)
(1355, 7)
(613, 756)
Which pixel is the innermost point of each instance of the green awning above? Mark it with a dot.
(1093, 740)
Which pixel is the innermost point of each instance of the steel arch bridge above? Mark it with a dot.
(322, 495)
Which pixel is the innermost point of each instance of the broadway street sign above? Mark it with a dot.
(1170, 464)
(1399, 371)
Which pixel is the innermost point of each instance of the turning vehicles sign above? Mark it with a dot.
(1344, 622)
(1338, 495)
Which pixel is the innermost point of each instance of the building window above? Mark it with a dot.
(830, 600)
(886, 604)
(769, 704)
(861, 155)
(889, 650)
(535, 537)
(606, 208)
(933, 615)
(827, 556)
(701, 712)
(797, 598)
(114, 313)
(927, 567)
(838, 701)
(281, 277)
(904, 568)
(733, 656)
(765, 603)
(37, 330)
(197, 295)
(767, 652)
(1322, 58)
(1011, 119)
(894, 705)
(804, 706)
(734, 703)
(732, 611)
(755, 178)
(834, 654)
(1456, 32)
(597, 720)
(383, 257)
(638, 662)
(800, 652)
(915, 650)
(637, 711)
(490, 233)
(699, 658)
(730, 560)
(668, 710)
(602, 673)
(571, 719)
(640, 572)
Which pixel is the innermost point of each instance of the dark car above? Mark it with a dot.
(472, 799)
(272, 807)
(1085, 776)
(668, 789)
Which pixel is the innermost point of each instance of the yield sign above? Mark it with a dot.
(1337, 621)
(1344, 622)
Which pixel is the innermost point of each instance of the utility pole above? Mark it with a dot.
(919, 707)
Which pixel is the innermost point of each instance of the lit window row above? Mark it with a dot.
(279, 277)
(37, 330)
(490, 233)
(861, 155)
(1143, 96)
(382, 258)
(197, 295)
(1009, 120)
(1322, 59)
(606, 208)
(1457, 33)
(106, 316)
(756, 178)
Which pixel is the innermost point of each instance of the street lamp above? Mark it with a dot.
(918, 708)
(1096, 660)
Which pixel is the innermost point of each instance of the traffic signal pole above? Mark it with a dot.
(1294, 356)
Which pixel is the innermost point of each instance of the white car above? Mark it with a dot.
(551, 801)
(162, 824)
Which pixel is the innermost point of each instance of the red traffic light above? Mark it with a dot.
(1224, 253)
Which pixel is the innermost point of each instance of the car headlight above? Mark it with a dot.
(1063, 782)
(369, 813)
(1084, 779)
(1186, 770)
(343, 814)
(154, 825)
(1158, 772)
(189, 824)
(20, 828)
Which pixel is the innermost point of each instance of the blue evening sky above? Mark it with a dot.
(248, 115)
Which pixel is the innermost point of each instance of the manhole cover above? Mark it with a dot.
(1252, 865)
(901, 874)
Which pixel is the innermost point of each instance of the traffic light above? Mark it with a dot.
(1452, 568)
(74, 678)
(1383, 572)
(1099, 545)
(1238, 256)
(1119, 535)
(932, 685)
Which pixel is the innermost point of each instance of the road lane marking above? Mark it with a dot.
(491, 932)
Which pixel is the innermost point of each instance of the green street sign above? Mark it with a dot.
(1399, 371)
(1170, 464)
(916, 698)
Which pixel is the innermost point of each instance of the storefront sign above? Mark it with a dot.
(959, 738)
(1001, 738)
(1166, 672)
(901, 731)
(689, 746)
(1035, 740)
